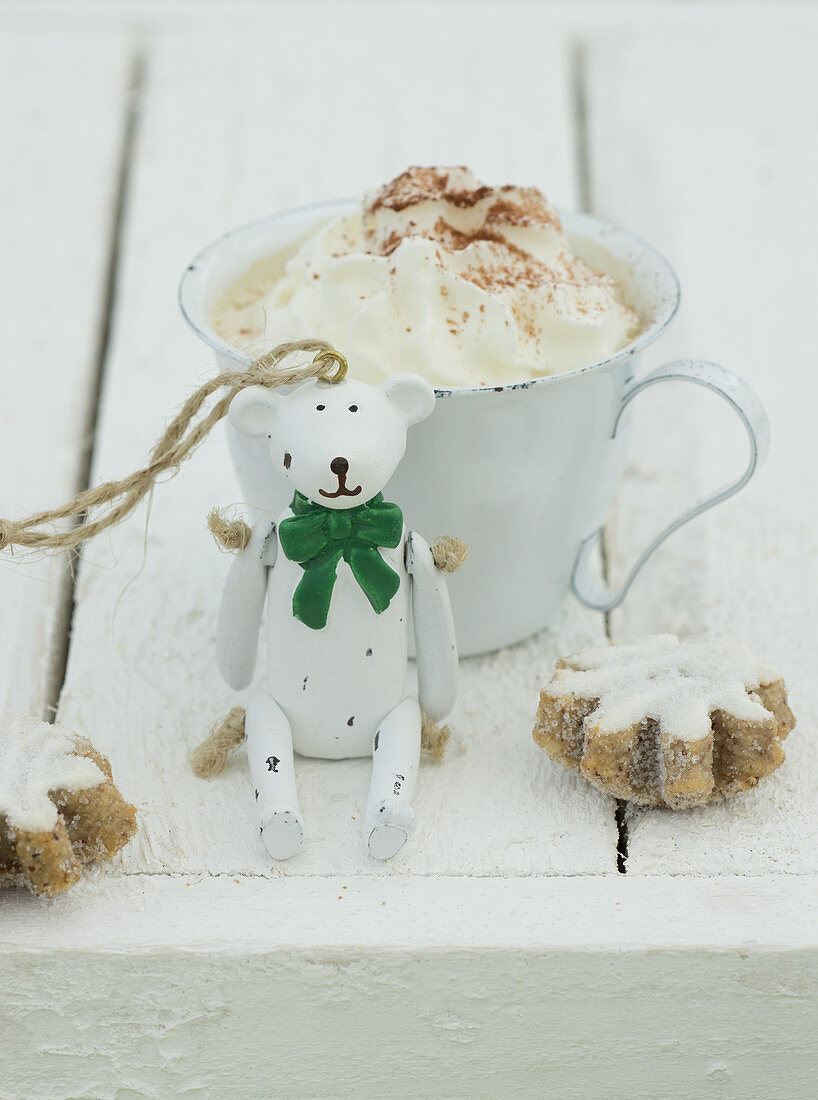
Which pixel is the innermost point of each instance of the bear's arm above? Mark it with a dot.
(242, 604)
(435, 643)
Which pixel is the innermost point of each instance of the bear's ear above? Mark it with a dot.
(253, 410)
(411, 394)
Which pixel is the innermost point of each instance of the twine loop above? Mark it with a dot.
(190, 426)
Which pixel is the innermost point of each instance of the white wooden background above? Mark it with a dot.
(534, 936)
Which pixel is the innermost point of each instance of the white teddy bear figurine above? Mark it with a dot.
(340, 574)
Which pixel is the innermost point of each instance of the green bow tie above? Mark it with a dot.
(317, 538)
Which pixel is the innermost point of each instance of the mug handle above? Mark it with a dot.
(594, 592)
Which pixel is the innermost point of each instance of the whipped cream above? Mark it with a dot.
(436, 273)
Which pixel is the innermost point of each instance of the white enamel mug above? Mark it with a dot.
(525, 473)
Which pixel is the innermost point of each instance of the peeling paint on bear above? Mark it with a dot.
(339, 572)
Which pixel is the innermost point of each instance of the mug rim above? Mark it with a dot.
(667, 280)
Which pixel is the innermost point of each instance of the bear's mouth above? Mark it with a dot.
(342, 490)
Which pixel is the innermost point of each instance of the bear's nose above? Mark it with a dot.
(339, 466)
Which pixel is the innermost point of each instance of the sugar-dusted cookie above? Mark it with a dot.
(663, 722)
(59, 807)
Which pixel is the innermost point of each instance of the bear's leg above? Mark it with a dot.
(270, 753)
(389, 819)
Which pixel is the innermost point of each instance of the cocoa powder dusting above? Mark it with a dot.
(502, 265)
(529, 210)
(418, 184)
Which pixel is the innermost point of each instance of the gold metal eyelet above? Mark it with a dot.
(342, 368)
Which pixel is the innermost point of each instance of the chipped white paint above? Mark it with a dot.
(337, 643)
(250, 987)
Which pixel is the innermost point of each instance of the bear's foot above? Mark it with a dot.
(391, 825)
(282, 831)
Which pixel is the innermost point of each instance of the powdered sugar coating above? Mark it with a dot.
(36, 758)
(677, 684)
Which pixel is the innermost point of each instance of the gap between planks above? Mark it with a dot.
(579, 90)
(66, 602)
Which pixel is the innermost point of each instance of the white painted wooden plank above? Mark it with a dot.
(136, 913)
(562, 987)
(707, 146)
(587, 15)
(57, 193)
(142, 680)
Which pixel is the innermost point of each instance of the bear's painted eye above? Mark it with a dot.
(287, 460)
(353, 408)
(320, 407)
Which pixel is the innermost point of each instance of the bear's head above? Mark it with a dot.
(337, 443)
